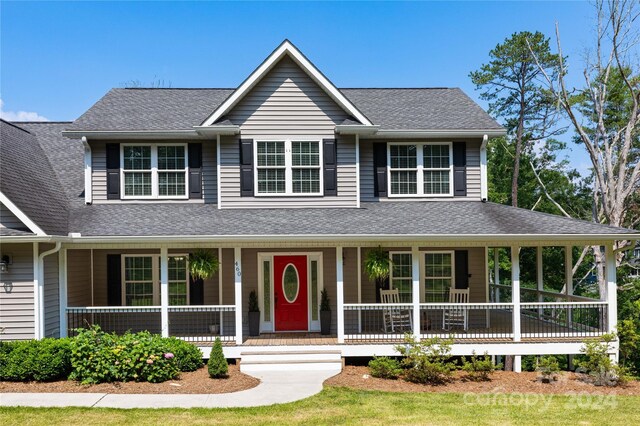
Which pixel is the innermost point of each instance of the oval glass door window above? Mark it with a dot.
(290, 283)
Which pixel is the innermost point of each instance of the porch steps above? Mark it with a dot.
(290, 360)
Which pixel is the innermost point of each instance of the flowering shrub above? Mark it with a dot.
(187, 356)
(98, 357)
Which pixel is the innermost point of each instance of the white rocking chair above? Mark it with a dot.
(456, 316)
(395, 318)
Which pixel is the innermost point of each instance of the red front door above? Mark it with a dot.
(290, 291)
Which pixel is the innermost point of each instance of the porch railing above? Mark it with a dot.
(191, 323)
(500, 293)
(560, 319)
(467, 320)
(377, 322)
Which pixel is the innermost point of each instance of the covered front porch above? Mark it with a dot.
(502, 308)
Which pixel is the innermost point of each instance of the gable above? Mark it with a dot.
(287, 100)
(9, 220)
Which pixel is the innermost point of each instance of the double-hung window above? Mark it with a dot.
(288, 167)
(141, 278)
(420, 169)
(401, 277)
(154, 171)
(438, 276)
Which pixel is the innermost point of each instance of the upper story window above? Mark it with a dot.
(288, 167)
(154, 171)
(420, 169)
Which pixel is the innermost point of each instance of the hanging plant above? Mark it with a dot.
(203, 264)
(377, 266)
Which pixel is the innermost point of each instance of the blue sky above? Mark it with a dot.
(58, 58)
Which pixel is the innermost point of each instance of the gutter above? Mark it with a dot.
(88, 190)
(217, 130)
(40, 294)
(484, 181)
(132, 134)
(441, 133)
(356, 129)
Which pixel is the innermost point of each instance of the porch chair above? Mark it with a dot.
(456, 316)
(395, 318)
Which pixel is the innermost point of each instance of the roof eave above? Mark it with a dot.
(133, 134)
(438, 133)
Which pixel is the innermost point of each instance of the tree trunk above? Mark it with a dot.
(518, 154)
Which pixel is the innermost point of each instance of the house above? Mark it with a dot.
(291, 182)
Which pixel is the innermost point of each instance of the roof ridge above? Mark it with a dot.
(173, 88)
(400, 88)
(44, 122)
(15, 125)
(340, 88)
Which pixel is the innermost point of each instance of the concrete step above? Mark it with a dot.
(290, 360)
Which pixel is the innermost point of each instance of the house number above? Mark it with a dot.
(238, 270)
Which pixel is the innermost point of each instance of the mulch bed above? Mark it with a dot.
(196, 382)
(357, 377)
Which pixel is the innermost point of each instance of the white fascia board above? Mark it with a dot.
(30, 239)
(444, 133)
(356, 129)
(286, 48)
(217, 130)
(132, 134)
(21, 215)
(338, 239)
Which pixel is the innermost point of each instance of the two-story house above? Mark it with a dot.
(290, 182)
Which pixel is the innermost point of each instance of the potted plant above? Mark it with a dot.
(377, 266)
(325, 313)
(254, 315)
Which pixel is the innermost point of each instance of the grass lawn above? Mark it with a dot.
(346, 406)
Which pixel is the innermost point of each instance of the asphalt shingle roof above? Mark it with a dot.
(29, 181)
(388, 218)
(181, 109)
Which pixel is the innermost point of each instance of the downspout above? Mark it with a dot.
(41, 288)
(484, 190)
(88, 195)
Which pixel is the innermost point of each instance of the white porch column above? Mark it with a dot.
(415, 290)
(496, 273)
(515, 292)
(62, 290)
(37, 301)
(568, 277)
(539, 278)
(237, 254)
(359, 286)
(164, 291)
(517, 363)
(612, 288)
(340, 294)
(220, 287)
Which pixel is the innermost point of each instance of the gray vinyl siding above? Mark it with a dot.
(16, 294)
(99, 174)
(367, 173)
(51, 296)
(9, 220)
(79, 278)
(286, 103)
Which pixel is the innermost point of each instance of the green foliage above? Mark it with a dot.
(427, 361)
(479, 368)
(325, 305)
(253, 302)
(548, 367)
(98, 357)
(385, 368)
(597, 363)
(39, 360)
(629, 325)
(187, 356)
(203, 264)
(217, 364)
(377, 264)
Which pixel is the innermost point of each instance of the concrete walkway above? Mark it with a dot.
(274, 388)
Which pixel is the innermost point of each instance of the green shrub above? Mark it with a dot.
(549, 368)
(39, 360)
(427, 361)
(598, 365)
(385, 368)
(479, 368)
(98, 357)
(217, 364)
(187, 356)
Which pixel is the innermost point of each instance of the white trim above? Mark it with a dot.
(484, 186)
(340, 294)
(41, 283)
(436, 133)
(357, 136)
(62, 291)
(155, 184)
(359, 258)
(415, 290)
(88, 184)
(515, 291)
(288, 166)
(37, 301)
(20, 215)
(286, 48)
(132, 134)
(419, 169)
(218, 171)
(237, 273)
(612, 287)
(164, 291)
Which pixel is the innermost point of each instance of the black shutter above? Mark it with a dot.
(114, 280)
(246, 167)
(113, 171)
(195, 170)
(330, 167)
(460, 169)
(462, 269)
(380, 169)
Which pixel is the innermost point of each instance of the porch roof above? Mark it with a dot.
(453, 219)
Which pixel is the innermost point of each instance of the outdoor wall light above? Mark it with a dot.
(4, 263)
